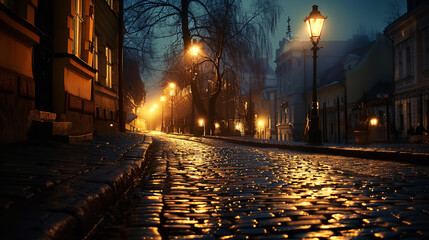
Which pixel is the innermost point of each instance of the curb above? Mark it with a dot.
(386, 155)
(72, 209)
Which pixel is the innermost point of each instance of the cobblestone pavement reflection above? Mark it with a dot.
(208, 189)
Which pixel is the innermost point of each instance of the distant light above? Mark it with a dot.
(152, 109)
(260, 123)
(373, 121)
(162, 98)
(217, 125)
(111, 125)
(172, 85)
(155, 106)
(201, 122)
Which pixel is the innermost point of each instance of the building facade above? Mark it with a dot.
(18, 36)
(59, 66)
(410, 36)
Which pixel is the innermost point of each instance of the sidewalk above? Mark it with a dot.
(49, 190)
(408, 153)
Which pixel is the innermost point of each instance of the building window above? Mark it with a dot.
(400, 65)
(97, 113)
(110, 3)
(96, 58)
(409, 65)
(77, 27)
(108, 67)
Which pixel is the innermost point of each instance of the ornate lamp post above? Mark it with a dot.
(194, 51)
(202, 124)
(260, 124)
(314, 24)
(162, 113)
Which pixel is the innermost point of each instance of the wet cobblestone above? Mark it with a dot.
(208, 189)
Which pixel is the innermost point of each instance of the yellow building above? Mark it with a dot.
(18, 36)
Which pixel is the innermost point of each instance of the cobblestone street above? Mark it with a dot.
(208, 189)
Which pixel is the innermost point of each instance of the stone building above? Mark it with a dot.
(294, 72)
(410, 36)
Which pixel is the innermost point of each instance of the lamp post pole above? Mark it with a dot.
(315, 135)
(172, 116)
(162, 113)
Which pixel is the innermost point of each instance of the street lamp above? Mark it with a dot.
(172, 89)
(162, 113)
(314, 24)
(202, 124)
(194, 51)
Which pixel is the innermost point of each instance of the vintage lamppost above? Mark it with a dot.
(194, 51)
(260, 124)
(172, 93)
(202, 124)
(314, 24)
(162, 113)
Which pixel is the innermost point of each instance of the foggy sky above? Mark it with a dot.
(345, 18)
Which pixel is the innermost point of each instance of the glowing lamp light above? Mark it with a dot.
(315, 23)
(111, 125)
(373, 121)
(260, 123)
(201, 122)
(152, 109)
(194, 50)
(217, 125)
(172, 85)
(162, 98)
(155, 106)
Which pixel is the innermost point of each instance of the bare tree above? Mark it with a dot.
(229, 35)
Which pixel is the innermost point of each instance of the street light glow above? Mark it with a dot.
(162, 98)
(260, 123)
(373, 121)
(194, 50)
(201, 122)
(155, 106)
(172, 85)
(217, 125)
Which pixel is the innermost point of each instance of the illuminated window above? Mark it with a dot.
(77, 27)
(96, 57)
(110, 3)
(108, 67)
